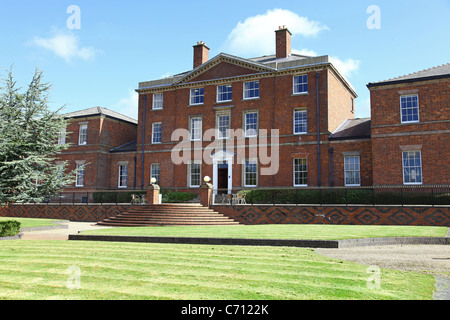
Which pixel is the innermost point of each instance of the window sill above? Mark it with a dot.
(300, 94)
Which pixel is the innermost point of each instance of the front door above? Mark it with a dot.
(222, 177)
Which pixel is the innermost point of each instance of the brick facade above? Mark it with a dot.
(329, 137)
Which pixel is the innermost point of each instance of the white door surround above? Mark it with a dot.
(222, 156)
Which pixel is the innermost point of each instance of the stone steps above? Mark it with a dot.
(168, 215)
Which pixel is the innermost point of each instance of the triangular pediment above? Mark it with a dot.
(223, 66)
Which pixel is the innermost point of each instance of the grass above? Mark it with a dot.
(286, 231)
(31, 222)
(32, 269)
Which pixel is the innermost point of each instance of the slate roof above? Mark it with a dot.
(352, 129)
(100, 111)
(438, 72)
(127, 147)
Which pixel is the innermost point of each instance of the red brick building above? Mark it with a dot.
(284, 120)
(411, 128)
(102, 148)
(304, 98)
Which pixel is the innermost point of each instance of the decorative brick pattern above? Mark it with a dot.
(407, 216)
(80, 213)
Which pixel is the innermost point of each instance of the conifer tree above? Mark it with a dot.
(29, 143)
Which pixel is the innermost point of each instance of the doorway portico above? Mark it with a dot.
(222, 170)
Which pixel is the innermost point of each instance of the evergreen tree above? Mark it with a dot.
(29, 143)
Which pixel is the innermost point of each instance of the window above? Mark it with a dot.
(123, 173)
(223, 126)
(251, 124)
(300, 126)
(224, 93)
(196, 128)
(79, 175)
(157, 101)
(82, 136)
(250, 173)
(409, 108)
(154, 172)
(352, 171)
(251, 90)
(197, 96)
(62, 136)
(156, 132)
(195, 174)
(301, 84)
(300, 172)
(412, 167)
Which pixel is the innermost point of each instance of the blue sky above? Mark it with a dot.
(121, 43)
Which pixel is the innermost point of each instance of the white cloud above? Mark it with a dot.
(128, 106)
(347, 67)
(65, 45)
(256, 36)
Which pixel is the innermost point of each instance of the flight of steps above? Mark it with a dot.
(168, 215)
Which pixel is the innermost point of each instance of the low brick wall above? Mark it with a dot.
(361, 215)
(79, 212)
(256, 214)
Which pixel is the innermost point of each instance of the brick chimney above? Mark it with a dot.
(283, 42)
(201, 54)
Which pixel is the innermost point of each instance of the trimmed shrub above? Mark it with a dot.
(113, 197)
(177, 197)
(9, 228)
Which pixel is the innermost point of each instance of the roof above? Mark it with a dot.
(352, 129)
(100, 111)
(262, 64)
(127, 147)
(442, 71)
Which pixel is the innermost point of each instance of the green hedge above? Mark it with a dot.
(177, 197)
(113, 197)
(9, 228)
(344, 196)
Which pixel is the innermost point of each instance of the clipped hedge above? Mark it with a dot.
(9, 228)
(344, 196)
(177, 197)
(113, 197)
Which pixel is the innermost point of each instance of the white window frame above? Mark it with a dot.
(153, 132)
(306, 121)
(199, 174)
(247, 130)
(79, 175)
(155, 171)
(220, 94)
(247, 91)
(401, 109)
(82, 134)
(158, 101)
(194, 132)
(193, 96)
(294, 84)
(408, 167)
(219, 132)
(300, 172)
(245, 173)
(123, 176)
(62, 136)
(348, 170)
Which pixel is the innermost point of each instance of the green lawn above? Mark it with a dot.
(31, 222)
(285, 231)
(32, 269)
